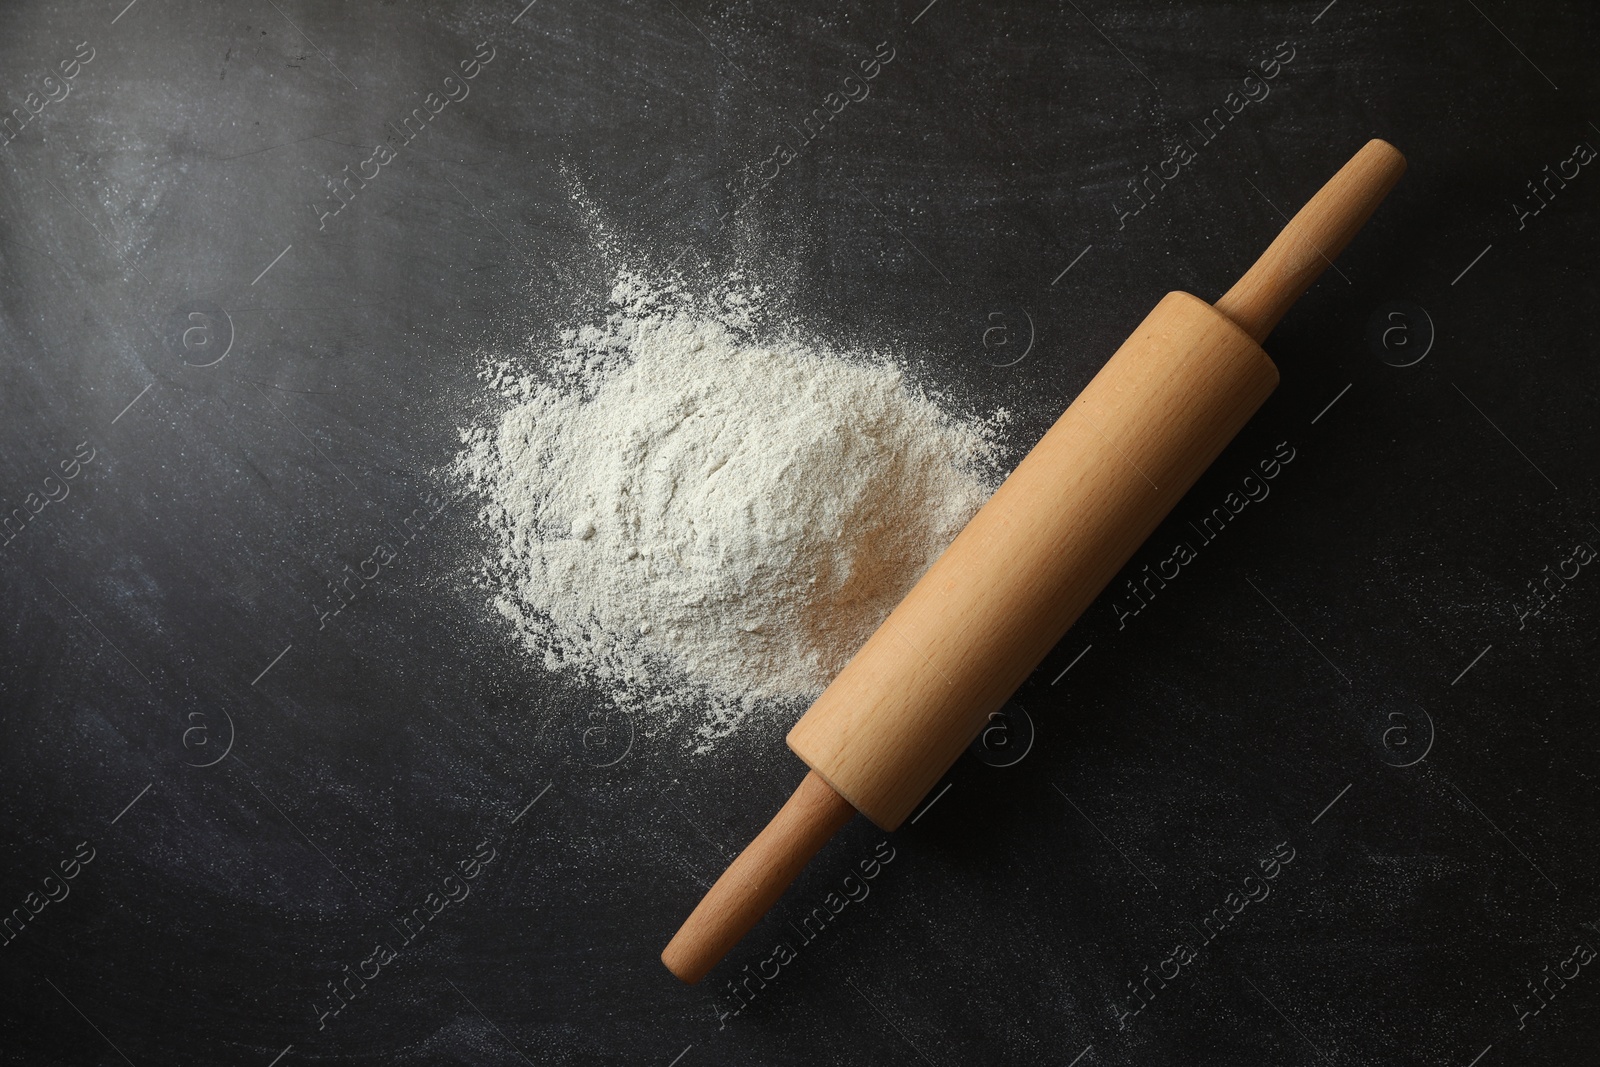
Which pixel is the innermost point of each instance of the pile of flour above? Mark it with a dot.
(681, 514)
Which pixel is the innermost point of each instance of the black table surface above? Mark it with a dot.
(1327, 796)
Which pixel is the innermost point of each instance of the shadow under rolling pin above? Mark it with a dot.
(1059, 528)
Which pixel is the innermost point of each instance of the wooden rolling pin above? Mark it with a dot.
(1032, 559)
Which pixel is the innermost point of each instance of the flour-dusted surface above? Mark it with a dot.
(688, 515)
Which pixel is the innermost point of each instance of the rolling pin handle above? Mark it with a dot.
(757, 878)
(1312, 239)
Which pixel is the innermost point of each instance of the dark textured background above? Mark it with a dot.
(1317, 644)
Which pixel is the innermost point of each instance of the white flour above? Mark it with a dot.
(685, 516)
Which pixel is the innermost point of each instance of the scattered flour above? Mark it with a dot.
(685, 516)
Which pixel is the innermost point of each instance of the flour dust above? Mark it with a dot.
(693, 519)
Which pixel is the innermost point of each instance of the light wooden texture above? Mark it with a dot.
(1308, 244)
(755, 880)
(1058, 529)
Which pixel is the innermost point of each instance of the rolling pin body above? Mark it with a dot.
(1060, 527)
